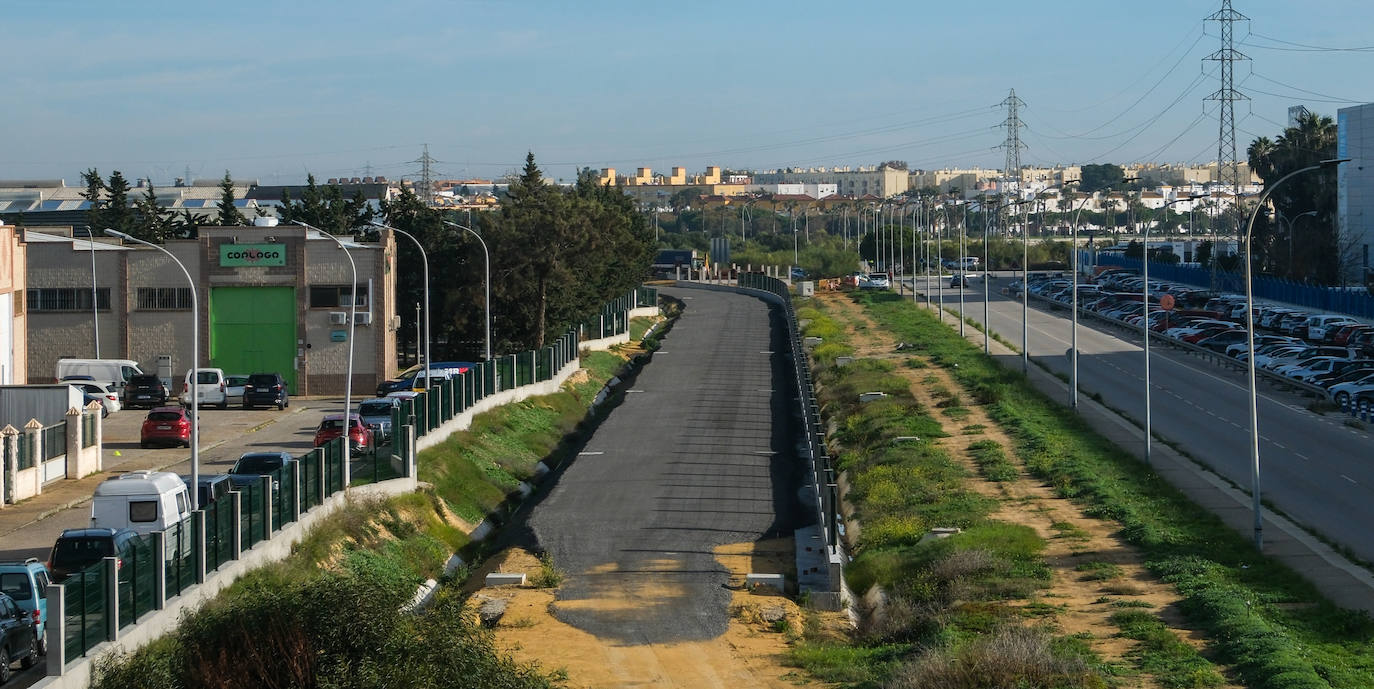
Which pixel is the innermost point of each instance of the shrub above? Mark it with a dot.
(1013, 657)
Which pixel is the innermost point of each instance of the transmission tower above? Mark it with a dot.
(1013, 144)
(1228, 168)
(425, 190)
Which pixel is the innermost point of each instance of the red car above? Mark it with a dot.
(166, 426)
(359, 435)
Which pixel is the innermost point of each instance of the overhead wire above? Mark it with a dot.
(1137, 81)
(1301, 47)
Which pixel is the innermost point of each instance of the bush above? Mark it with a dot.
(1013, 658)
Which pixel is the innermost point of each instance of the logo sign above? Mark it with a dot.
(238, 255)
(338, 335)
(1166, 302)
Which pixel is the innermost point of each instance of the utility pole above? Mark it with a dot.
(1013, 144)
(1228, 168)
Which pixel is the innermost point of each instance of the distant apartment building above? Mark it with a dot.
(879, 182)
(1355, 189)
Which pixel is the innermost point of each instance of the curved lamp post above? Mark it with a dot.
(1250, 347)
(1073, 338)
(429, 360)
(195, 361)
(348, 379)
(486, 257)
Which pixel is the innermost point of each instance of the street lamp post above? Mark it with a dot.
(348, 376)
(195, 360)
(424, 257)
(95, 303)
(486, 257)
(1250, 347)
(1291, 231)
(1145, 322)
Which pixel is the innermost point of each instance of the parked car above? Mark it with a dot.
(18, 638)
(376, 413)
(266, 389)
(26, 583)
(113, 373)
(876, 281)
(211, 487)
(359, 436)
(406, 381)
(144, 390)
(1345, 393)
(77, 549)
(166, 426)
(234, 385)
(252, 465)
(1219, 342)
(97, 392)
(210, 388)
(1318, 326)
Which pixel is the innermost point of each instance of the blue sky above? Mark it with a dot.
(270, 90)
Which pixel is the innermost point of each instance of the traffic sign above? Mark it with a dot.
(1166, 302)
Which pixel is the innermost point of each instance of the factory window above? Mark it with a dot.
(66, 299)
(164, 298)
(334, 296)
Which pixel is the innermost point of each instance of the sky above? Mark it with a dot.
(273, 90)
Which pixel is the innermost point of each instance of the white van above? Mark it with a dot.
(1320, 324)
(105, 372)
(145, 501)
(969, 263)
(211, 388)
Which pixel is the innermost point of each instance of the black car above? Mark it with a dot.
(77, 549)
(211, 488)
(18, 638)
(265, 390)
(252, 465)
(145, 391)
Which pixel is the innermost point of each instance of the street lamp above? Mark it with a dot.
(1250, 346)
(486, 255)
(1291, 231)
(1145, 322)
(429, 361)
(1073, 344)
(348, 379)
(95, 303)
(195, 360)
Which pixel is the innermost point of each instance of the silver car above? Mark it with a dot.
(376, 414)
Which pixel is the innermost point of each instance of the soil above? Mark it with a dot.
(1080, 601)
(749, 654)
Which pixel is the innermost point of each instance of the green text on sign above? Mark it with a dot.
(235, 255)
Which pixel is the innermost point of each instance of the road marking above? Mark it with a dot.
(590, 452)
(765, 352)
(1350, 479)
(628, 391)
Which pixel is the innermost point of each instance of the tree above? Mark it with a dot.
(95, 195)
(153, 223)
(1316, 250)
(229, 215)
(327, 209)
(893, 165)
(118, 214)
(1099, 177)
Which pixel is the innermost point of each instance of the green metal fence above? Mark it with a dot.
(310, 479)
(252, 524)
(87, 429)
(180, 545)
(27, 450)
(219, 533)
(55, 441)
(137, 580)
(83, 599)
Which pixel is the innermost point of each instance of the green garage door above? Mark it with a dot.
(253, 330)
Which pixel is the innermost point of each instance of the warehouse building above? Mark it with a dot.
(272, 299)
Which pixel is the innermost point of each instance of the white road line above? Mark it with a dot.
(589, 453)
(1350, 479)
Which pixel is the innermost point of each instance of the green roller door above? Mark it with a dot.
(253, 330)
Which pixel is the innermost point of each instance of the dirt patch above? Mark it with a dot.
(1095, 573)
(749, 654)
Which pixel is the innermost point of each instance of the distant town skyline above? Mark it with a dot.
(349, 89)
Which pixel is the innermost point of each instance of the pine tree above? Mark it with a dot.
(153, 224)
(94, 193)
(118, 214)
(229, 215)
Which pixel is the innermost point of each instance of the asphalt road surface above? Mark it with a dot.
(1313, 467)
(700, 453)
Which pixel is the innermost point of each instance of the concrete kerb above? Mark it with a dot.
(77, 674)
(1343, 582)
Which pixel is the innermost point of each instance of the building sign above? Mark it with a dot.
(338, 336)
(238, 255)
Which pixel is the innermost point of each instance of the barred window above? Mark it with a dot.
(334, 296)
(164, 298)
(66, 299)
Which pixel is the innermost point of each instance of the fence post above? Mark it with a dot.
(296, 491)
(56, 630)
(237, 539)
(11, 467)
(33, 432)
(111, 598)
(95, 409)
(75, 428)
(199, 541)
(159, 570)
(409, 453)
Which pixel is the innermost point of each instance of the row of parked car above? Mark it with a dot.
(1331, 351)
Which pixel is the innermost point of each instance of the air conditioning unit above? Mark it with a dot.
(364, 318)
(338, 317)
(395, 323)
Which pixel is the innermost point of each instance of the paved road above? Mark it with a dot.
(1314, 468)
(700, 454)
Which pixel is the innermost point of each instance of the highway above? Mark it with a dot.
(1314, 468)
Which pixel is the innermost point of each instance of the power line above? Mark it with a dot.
(1187, 90)
(1142, 77)
(1301, 47)
(1332, 99)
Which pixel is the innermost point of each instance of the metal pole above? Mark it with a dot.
(95, 303)
(195, 361)
(1145, 332)
(1025, 289)
(429, 360)
(1256, 507)
(939, 261)
(348, 379)
(987, 273)
(486, 257)
(963, 270)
